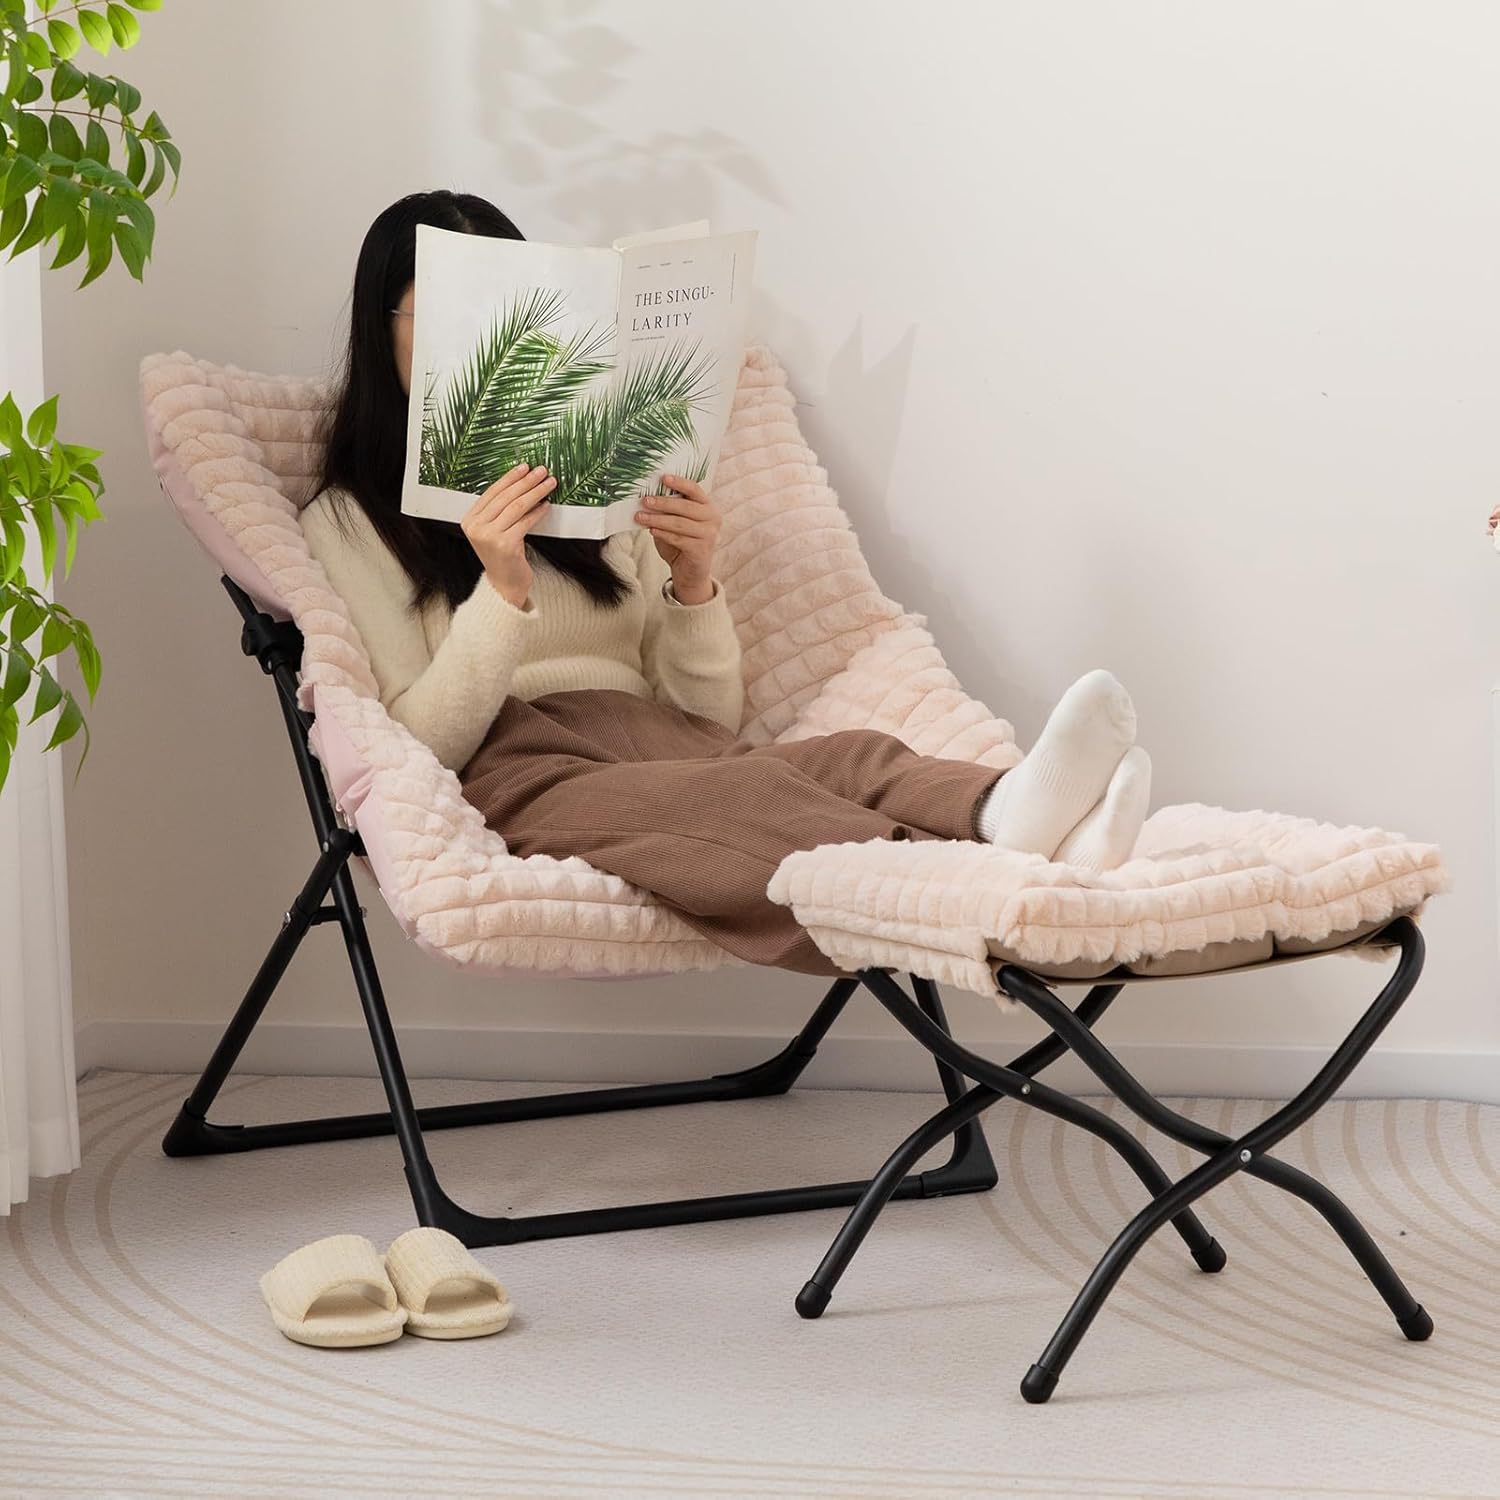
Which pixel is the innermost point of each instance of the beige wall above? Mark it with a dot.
(1157, 336)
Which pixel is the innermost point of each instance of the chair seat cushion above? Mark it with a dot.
(823, 649)
(1206, 889)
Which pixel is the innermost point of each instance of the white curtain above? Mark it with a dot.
(38, 1101)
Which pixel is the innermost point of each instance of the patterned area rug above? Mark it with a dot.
(137, 1359)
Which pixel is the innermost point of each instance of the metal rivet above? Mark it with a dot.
(1025, 1088)
(1244, 1156)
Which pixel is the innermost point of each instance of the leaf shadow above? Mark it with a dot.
(559, 63)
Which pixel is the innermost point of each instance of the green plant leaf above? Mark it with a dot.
(12, 220)
(141, 214)
(41, 427)
(64, 38)
(65, 138)
(46, 530)
(135, 158)
(69, 722)
(56, 637)
(24, 175)
(25, 620)
(96, 30)
(603, 449)
(63, 198)
(96, 141)
(18, 665)
(67, 81)
(156, 127)
(89, 665)
(70, 529)
(31, 135)
(38, 54)
(158, 170)
(30, 90)
(36, 227)
(518, 379)
(24, 462)
(13, 552)
(70, 246)
(133, 249)
(101, 90)
(10, 422)
(144, 4)
(48, 695)
(100, 234)
(123, 26)
(129, 96)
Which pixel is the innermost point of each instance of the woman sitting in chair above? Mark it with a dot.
(588, 693)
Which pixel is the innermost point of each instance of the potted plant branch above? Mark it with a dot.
(79, 163)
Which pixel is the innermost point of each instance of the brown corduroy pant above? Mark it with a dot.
(675, 804)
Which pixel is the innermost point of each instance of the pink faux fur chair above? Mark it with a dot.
(823, 650)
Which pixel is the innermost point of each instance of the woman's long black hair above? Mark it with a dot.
(365, 438)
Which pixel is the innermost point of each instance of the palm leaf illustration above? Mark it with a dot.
(603, 448)
(519, 379)
(697, 471)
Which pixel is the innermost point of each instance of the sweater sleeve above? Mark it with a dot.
(689, 652)
(447, 698)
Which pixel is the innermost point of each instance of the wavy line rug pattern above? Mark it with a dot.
(137, 1359)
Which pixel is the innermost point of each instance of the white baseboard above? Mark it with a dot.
(853, 1062)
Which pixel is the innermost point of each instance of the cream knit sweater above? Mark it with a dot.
(444, 673)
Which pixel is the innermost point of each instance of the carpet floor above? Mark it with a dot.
(137, 1359)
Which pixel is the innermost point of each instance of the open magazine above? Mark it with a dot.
(610, 367)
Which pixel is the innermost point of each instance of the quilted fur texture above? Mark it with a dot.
(824, 650)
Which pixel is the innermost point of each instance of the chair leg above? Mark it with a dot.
(970, 1170)
(190, 1131)
(1013, 1083)
(1226, 1156)
(818, 1290)
(959, 1116)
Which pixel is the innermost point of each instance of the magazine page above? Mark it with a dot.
(510, 336)
(696, 230)
(608, 367)
(684, 312)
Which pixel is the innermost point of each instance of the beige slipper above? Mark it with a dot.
(444, 1291)
(334, 1294)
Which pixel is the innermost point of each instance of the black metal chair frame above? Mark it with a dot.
(277, 645)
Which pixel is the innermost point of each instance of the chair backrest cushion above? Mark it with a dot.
(237, 453)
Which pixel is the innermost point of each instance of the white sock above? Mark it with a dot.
(1106, 836)
(1034, 807)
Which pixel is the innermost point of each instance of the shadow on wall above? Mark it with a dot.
(539, 110)
(562, 67)
(561, 61)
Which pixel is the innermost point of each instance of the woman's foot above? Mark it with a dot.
(1034, 807)
(1106, 836)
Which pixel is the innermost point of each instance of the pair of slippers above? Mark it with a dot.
(339, 1293)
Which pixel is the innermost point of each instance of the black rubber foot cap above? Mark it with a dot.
(185, 1137)
(1038, 1384)
(1416, 1326)
(1211, 1257)
(812, 1299)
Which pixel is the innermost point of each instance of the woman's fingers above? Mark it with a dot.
(689, 487)
(675, 505)
(507, 489)
(677, 526)
(507, 507)
(501, 486)
(521, 502)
